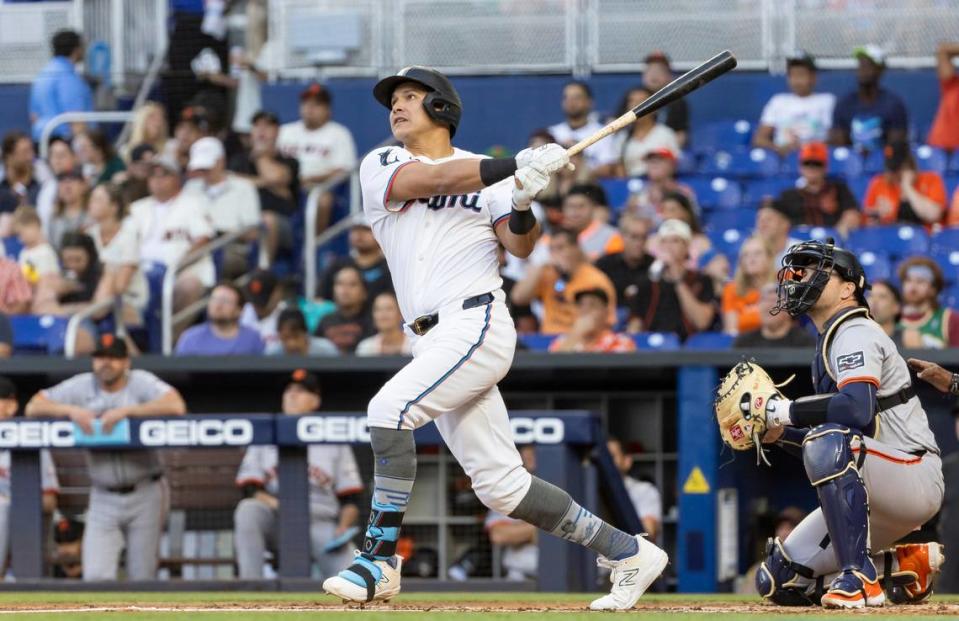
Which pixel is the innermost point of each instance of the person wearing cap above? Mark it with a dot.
(869, 117)
(580, 122)
(221, 334)
(366, 256)
(128, 495)
(802, 115)
(773, 331)
(294, 338)
(885, 306)
(265, 301)
(632, 144)
(171, 223)
(591, 330)
(629, 266)
(944, 132)
(68, 548)
(277, 179)
(324, 148)
(774, 220)
(925, 323)
(580, 210)
(19, 185)
(48, 474)
(556, 283)
(660, 180)
(233, 204)
(904, 194)
(673, 298)
(59, 87)
(675, 116)
(334, 496)
(820, 200)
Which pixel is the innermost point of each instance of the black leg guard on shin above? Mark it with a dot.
(785, 582)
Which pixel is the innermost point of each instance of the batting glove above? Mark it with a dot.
(548, 158)
(529, 182)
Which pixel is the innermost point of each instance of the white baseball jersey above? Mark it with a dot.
(168, 230)
(319, 151)
(333, 473)
(440, 249)
(48, 474)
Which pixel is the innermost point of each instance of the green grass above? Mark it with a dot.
(11, 601)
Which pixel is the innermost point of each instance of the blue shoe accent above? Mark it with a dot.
(358, 580)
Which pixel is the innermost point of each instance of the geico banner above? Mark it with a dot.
(194, 432)
(36, 434)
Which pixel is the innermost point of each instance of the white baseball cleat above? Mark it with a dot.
(366, 580)
(631, 576)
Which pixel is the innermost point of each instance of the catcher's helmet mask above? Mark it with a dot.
(442, 103)
(797, 296)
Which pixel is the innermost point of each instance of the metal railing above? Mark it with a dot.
(168, 319)
(115, 304)
(113, 116)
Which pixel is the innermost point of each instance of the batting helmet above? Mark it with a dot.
(442, 103)
(797, 295)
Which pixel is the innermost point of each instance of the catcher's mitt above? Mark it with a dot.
(741, 400)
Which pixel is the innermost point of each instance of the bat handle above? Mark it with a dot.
(610, 129)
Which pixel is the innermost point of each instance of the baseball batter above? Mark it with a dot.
(438, 213)
(334, 488)
(866, 446)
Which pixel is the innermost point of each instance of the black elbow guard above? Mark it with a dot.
(493, 170)
(250, 489)
(810, 411)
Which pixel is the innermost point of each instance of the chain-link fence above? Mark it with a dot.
(133, 32)
(25, 32)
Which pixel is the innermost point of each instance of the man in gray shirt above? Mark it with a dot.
(128, 496)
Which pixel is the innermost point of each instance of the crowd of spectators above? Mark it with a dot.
(93, 222)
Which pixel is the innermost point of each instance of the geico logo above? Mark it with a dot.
(332, 429)
(544, 430)
(230, 432)
(29, 434)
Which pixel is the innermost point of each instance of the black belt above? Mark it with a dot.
(422, 325)
(898, 398)
(129, 489)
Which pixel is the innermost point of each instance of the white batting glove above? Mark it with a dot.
(549, 158)
(527, 183)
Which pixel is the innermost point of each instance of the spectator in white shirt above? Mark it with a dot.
(389, 340)
(645, 497)
(634, 143)
(233, 202)
(323, 147)
(792, 119)
(171, 223)
(580, 123)
(37, 259)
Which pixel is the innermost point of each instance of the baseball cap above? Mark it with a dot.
(801, 58)
(109, 345)
(870, 52)
(167, 162)
(261, 287)
(68, 530)
(316, 92)
(205, 153)
(675, 228)
(814, 152)
(307, 380)
(8, 390)
(657, 56)
(896, 154)
(265, 115)
(663, 152)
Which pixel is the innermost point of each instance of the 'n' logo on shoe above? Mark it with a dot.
(629, 578)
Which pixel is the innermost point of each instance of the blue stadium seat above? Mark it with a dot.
(662, 341)
(722, 135)
(617, 192)
(742, 163)
(12, 247)
(821, 233)
(743, 218)
(728, 241)
(858, 186)
(952, 184)
(688, 163)
(709, 340)
(948, 260)
(715, 192)
(953, 165)
(755, 190)
(898, 240)
(874, 162)
(537, 342)
(38, 334)
(845, 162)
(931, 158)
(876, 264)
(946, 239)
(950, 297)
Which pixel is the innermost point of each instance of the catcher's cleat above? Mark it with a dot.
(631, 576)
(366, 580)
(921, 562)
(852, 589)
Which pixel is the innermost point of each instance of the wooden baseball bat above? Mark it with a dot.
(680, 87)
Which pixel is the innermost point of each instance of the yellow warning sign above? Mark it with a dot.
(696, 483)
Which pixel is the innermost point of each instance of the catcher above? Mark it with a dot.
(863, 438)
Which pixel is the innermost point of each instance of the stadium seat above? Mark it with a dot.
(845, 162)
(898, 240)
(12, 247)
(876, 264)
(821, 233)
(38, 334)
(952, 184)
(537, 342)
(688, 163)
(874, 162)
(617, 191)
(755, 190)
(742, 163)
(723, 135)
(858, 186)
(728, 242)
(931, 158)
(743, 218)
(946, 239)
(948, 260)
(950, 297)
(662, 341)
(709, 340)
(715, 192)
(953, 165)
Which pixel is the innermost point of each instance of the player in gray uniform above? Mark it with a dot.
(48, 473)
(335, 486)
(128, 496)
(866, 446)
